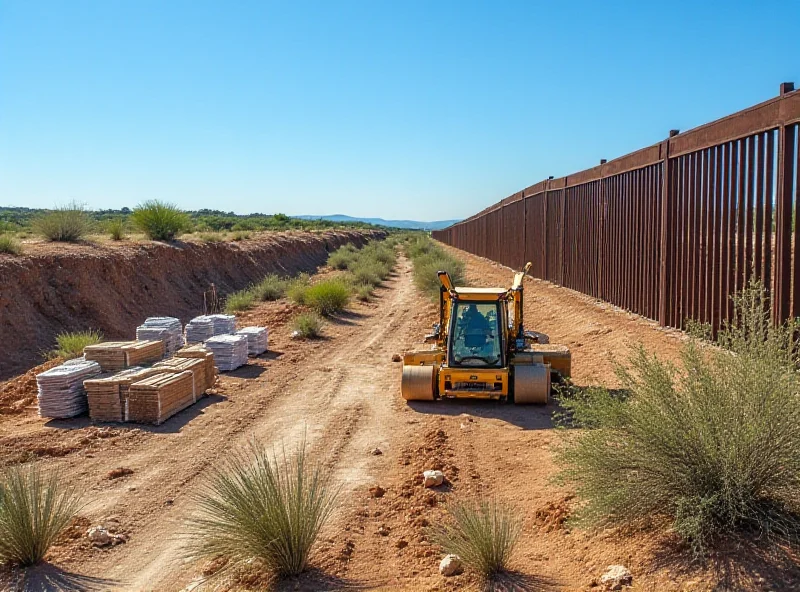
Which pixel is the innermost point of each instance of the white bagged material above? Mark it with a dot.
(207, 326)
(223, 324)
(166, 329)
(61, 393)
(256, 339)
(230, 351)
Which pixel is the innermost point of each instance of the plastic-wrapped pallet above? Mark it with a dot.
(61, 393)
(223, 324)
(199, 329)
(230, 351)
(166, 329)
(256, 339)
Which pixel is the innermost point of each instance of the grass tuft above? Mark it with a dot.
(483, 534)
(9, 245)
(34, 509)
(69, 223)
(159, 220)
(308, 325)
(272, 287)
(296, 288)
(116, 229)
(713, 446)
(264, 509)
(70, 345)
(240, 301)
(328, 296)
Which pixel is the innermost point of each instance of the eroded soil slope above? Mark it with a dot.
(113, 289)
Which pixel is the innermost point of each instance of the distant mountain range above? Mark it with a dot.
(406, 224)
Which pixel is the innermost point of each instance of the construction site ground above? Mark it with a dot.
(341, 395)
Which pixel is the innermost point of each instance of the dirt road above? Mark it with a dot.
(341, 395)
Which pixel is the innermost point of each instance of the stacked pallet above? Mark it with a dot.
(199, 352)
(223, 324)
(166, 329)
(118, 355)
(256, 339)
(103, 394)
(230, 351)
(61, 393)
(199, 329)
(194, 365)
(159, 397)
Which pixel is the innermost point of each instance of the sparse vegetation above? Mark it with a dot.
(483, 534)
(240, 235)
(70, 345)
(297, 287)
(327, 297)
(428, 259)
(364, 292)
(159, 220)
(10, 245)
(240, 301)
(343, 257)
(116, 228)
(272, 287)
(212, 237)
(712, 446)
(69, 223)
(263, 509)
(308, 325)
(34, 509)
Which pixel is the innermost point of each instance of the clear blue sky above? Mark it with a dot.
(407, 109)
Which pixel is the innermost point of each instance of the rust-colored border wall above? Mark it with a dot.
(670, 231)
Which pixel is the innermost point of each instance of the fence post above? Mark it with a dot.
(783, 221)
(666, 219)
(601, 235)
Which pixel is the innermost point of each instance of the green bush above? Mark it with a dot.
(272, 287)
(159, 220)
(342, 257)
(427, 266)
(68, 223)
(713, 446)
(262, 509)
(9, 245)
(369, 272)
(116, 228)
(241, 235)
(364, 292)
(70, 345)
(327, 297)
(482, 534)
(296, 288)
(34, 509)
(308, 325)
(240, 301)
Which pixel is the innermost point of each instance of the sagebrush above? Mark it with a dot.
(308, 325)
(263, 509)
(35, 507)
(712, 445)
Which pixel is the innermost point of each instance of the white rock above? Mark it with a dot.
(99, 536)
(451, 566)
(432, 478)
(616, 577)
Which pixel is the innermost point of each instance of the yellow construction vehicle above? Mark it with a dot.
(482, 350)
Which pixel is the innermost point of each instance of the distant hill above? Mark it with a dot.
(406, 224)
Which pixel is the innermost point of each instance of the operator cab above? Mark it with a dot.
(477, 337)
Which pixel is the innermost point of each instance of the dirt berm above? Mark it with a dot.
(113, 289)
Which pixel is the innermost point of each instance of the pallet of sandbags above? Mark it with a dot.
(256, 339)
(196, 366)
(144, 352)
(230, 351)
(200, 352)
(166, 329)
(60, 389)
(157, 398)
(204, 327)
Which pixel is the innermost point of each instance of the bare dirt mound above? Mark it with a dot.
(113, 290)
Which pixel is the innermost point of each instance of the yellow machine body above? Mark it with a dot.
(481, 350)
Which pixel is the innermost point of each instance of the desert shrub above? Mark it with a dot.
(296, 288)
(9, 245)
(328, 296)
(427, 266)
(369, 272)
(211, 237)
(272, 287)
(70, 345)
(308, 325)
(240, 301)
(483, 534)
(159, 220)
(68, 223)
(264, 509)
(241, 235)
(116, 229)
(343, 257)
(712, 446)
(34, 509)
(364, 292)
(382, 252)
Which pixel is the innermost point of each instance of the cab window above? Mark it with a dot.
(475, 339)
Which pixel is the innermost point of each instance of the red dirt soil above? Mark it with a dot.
(341, 396)
(114, 287)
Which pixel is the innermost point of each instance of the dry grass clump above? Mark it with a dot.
(34, 509)
(272, 287)
(308, 325)
(69, 223)
(713, 446)
(261, 509)
(70, 345)
(9, 245)
(297, 287)
(116, 229)
(160, 220)
(483, 534)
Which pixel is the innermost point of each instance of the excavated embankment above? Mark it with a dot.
(113, 289)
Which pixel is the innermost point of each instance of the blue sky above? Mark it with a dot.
(425, 110)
